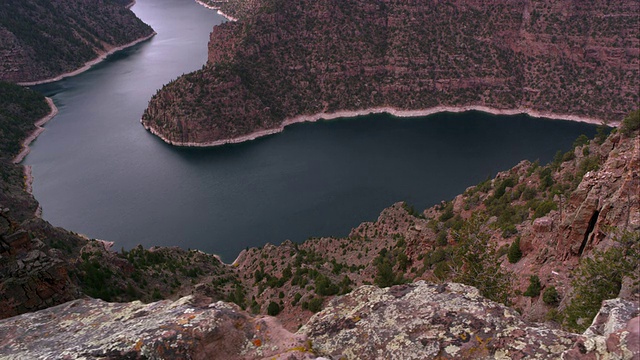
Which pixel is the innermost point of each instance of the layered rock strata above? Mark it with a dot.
(42, 40)
(288, 61)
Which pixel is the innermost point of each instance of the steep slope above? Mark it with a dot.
(286, 61)
(42, 39)
(42, 266)
(559, 217)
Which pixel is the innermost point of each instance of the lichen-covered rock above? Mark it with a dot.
(412, 321)
(614, 333)
(426, 321)
(184, 329)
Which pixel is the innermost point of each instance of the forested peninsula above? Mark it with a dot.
(44, 40)
(286, 61)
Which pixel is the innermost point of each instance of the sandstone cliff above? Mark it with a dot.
(42, 39)
(287, 58)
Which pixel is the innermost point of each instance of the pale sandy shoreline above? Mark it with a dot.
(39, 129)
(388, 110)
(28, 186)
(88, 64)
(230, 18)
(28, 176)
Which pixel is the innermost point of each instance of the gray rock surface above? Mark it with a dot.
(427, 321)
(94, 329)
(411, 321)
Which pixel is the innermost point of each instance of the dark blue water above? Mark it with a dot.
(98, 172)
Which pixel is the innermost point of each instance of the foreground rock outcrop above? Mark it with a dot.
(94, 329)
(428, 321)
(286, 61)
(42, 39)
(412, 321)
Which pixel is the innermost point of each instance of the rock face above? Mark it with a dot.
(94, 329)
(413, 321)
(31, 279)
(607, 196)
(41, 39)
(287, 58)
(426, 321)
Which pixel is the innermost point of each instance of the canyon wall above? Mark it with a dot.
(287, 58)
(42, 39)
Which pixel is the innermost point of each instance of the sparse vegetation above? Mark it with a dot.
(514, 254)
(599, 277)
(534, 286)
(550, 296)
(630, 123)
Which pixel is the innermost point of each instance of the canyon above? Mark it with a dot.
(562, 215)
(540, 261)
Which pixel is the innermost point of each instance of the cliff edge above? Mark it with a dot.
(413, 321)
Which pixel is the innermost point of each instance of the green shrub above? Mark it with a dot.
(296, 299)
(602, 132)
(580, 141)
(315, 304)
(509, 230)
(447, 213)
(273, 309)
(324, 286)
(630, 123)
(385, 276)
(475, 261)
(534, 286)
(441, 238)
(255, 307)
(434, 257)
(569, 155)
(550, 296)
(514, 254)
(598, 278)
(529, 193)
(546, 180)
(543, 208)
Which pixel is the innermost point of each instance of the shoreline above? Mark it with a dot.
(38, 130)
(88, 64)
(228, 17)
(388, 110)
(28, 187)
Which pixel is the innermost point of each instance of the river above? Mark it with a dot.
(99, 173)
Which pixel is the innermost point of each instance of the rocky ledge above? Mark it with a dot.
(411, 321)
